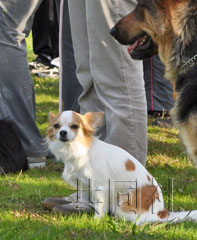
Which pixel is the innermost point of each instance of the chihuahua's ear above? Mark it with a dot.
(94, 119)
(51, 116)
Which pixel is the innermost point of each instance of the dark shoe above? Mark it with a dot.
(43, 67)
(76, 208)
(51, 157)
(81, 197)
(45, 59)
(50, 203)
(164, 123)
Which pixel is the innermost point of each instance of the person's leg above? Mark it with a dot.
(116, 78)
(45, 32)
(159, 91)
(71, 88)
(17, 101)
(54, 33)
(77, 13)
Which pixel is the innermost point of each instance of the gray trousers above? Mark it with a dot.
(71, 88)
(17, 98)
(112, 82)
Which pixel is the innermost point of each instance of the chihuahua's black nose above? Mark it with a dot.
(63, 134)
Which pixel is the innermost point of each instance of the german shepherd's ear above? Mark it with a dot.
(94, 119)
(159, 3)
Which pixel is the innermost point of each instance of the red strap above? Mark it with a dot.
(151, 82)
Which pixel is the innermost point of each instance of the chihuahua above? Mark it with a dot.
(119, 183)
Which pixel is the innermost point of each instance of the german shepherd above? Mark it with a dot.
(168, 27)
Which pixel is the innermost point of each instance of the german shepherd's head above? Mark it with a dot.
(167, 27)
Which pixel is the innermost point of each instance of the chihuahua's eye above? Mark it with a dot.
(56, 125)
(74, 126)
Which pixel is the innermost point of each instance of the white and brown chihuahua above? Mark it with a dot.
(120, 183)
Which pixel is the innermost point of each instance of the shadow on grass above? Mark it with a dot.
(175, 149)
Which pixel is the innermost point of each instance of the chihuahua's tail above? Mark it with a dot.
(182, 216)
(173, 217)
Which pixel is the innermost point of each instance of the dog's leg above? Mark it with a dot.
(188, 133)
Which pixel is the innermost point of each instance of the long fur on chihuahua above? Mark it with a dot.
(119, 183)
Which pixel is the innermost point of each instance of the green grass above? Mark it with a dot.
(22, 216)
(47, 91)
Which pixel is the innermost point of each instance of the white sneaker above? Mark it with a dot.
(56, 62)
(39, 162)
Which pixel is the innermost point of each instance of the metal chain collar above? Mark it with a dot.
(189, 62)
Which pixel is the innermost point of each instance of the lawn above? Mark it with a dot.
(22, 216)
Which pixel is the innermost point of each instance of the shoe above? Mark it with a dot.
(164, 123)
(43, 68)
(36, 66)
(78, 197)
(50, 203)
(45, 60)
(75, 198)
(71, 208)
(51, 157)
(50, 73)
(56, 62)
(36, 162)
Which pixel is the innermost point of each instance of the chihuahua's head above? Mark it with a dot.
(70, 126)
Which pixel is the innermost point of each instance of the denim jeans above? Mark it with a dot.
(17, 97)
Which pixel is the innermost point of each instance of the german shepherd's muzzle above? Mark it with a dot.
(168, 27)
(140, 46)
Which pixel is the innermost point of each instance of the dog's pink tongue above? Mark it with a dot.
(132, 47)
